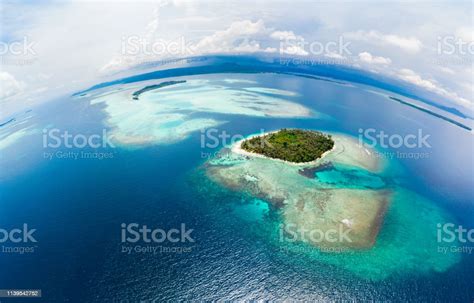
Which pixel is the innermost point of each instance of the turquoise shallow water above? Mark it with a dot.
(406, 250)
(253, 211)
(407, 243)
(344, 176)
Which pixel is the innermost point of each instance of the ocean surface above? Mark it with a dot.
(78, 205)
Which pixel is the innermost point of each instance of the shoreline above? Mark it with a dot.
(236, 148)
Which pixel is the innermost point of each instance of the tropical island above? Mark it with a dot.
(317, 181)
(293, 145)
(137, 94)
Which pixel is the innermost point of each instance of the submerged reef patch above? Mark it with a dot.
(164, 111)
(341, 210)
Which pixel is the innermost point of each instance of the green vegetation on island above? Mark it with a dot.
(155, 86)
(293, 145)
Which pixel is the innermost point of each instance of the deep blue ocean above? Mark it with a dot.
(77, 208)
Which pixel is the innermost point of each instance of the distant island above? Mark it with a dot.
(155, 86)
(293, 145)
(8, 121)
(432, 113)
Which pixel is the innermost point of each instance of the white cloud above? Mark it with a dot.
(468, 86)
(284, 35)
(9, 85)
(367, 57)
(335, 56)
(412, 77)
(240, 36)
(408, 44)
(465, 33)
(64, 39)
(293, 50)
(446, 70)
(290, 43)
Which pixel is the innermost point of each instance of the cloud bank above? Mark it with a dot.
(77, 44)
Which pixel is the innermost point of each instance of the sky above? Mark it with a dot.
(52, 48)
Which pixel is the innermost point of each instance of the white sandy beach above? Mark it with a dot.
(346, 150)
